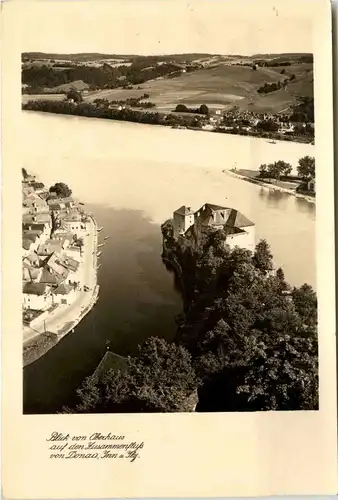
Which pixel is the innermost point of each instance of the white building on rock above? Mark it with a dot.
(240, 230)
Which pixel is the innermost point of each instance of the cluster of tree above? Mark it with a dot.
(272, 87)
(247, 340)
(275, 170)
(105, 76)
(93, 111)
(306, 129)
(303, 111)
(74, 95)
(252, 337)
(306, 169)
(275, 63)
(159, 379)
(134, 102)
(60, 190)
(202, 110)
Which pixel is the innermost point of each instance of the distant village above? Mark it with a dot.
(53, 239)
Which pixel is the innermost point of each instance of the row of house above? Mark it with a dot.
(51, 247)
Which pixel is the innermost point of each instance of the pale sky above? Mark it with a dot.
(163, 26)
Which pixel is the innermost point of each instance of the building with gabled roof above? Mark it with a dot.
(31, 273)
(36, 296)
(64, 294)
(239, 229)
(38, 218)
(52, 278)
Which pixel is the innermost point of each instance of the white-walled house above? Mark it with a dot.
(184, 218)
(36, 296)
(64, 294)
(38, 218)
(240, 230)
(42, 229)
(34, 206)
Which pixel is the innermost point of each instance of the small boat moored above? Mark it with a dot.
(99, 229)
(106, 237)
(99, 253)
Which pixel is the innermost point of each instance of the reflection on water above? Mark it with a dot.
(274, 198)
(138, 299)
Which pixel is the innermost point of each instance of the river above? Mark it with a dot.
(132, 177)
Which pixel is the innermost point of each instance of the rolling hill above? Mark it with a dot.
(220, 81)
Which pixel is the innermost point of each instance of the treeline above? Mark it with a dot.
(265, 128)
(247, 341)
(272, 87)
(104, 77)
(306, 169)
(281, 61)
(93, 111)
(134, 102)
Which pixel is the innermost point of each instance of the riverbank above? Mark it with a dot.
(272, 187)
(63, 319)
(153, 117)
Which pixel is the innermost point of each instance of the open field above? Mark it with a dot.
(221, 87)
(221, 84)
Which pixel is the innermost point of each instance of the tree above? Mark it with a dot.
(204, 110)
(305, 301)
(60, 190)
(263, 170)
(159, 379)
(75, 95)
(262, 258)
(306, 168)
(181, 108)
(275, 170)
(283, 168)
(24, 173)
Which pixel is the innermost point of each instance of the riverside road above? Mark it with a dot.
(66, 317)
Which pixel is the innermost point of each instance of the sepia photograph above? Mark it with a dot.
(168, 249)
(169, 225)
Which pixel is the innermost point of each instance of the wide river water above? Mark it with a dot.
(132, 177)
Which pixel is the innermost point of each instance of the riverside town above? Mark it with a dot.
(167, 269)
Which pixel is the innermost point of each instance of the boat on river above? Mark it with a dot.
(100, 245)
(99, 229)
(272, 142)
(106, 237)
(99, 253)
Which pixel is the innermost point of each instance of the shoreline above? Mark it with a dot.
(263, 184)
(191, 128)
(35, 348)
